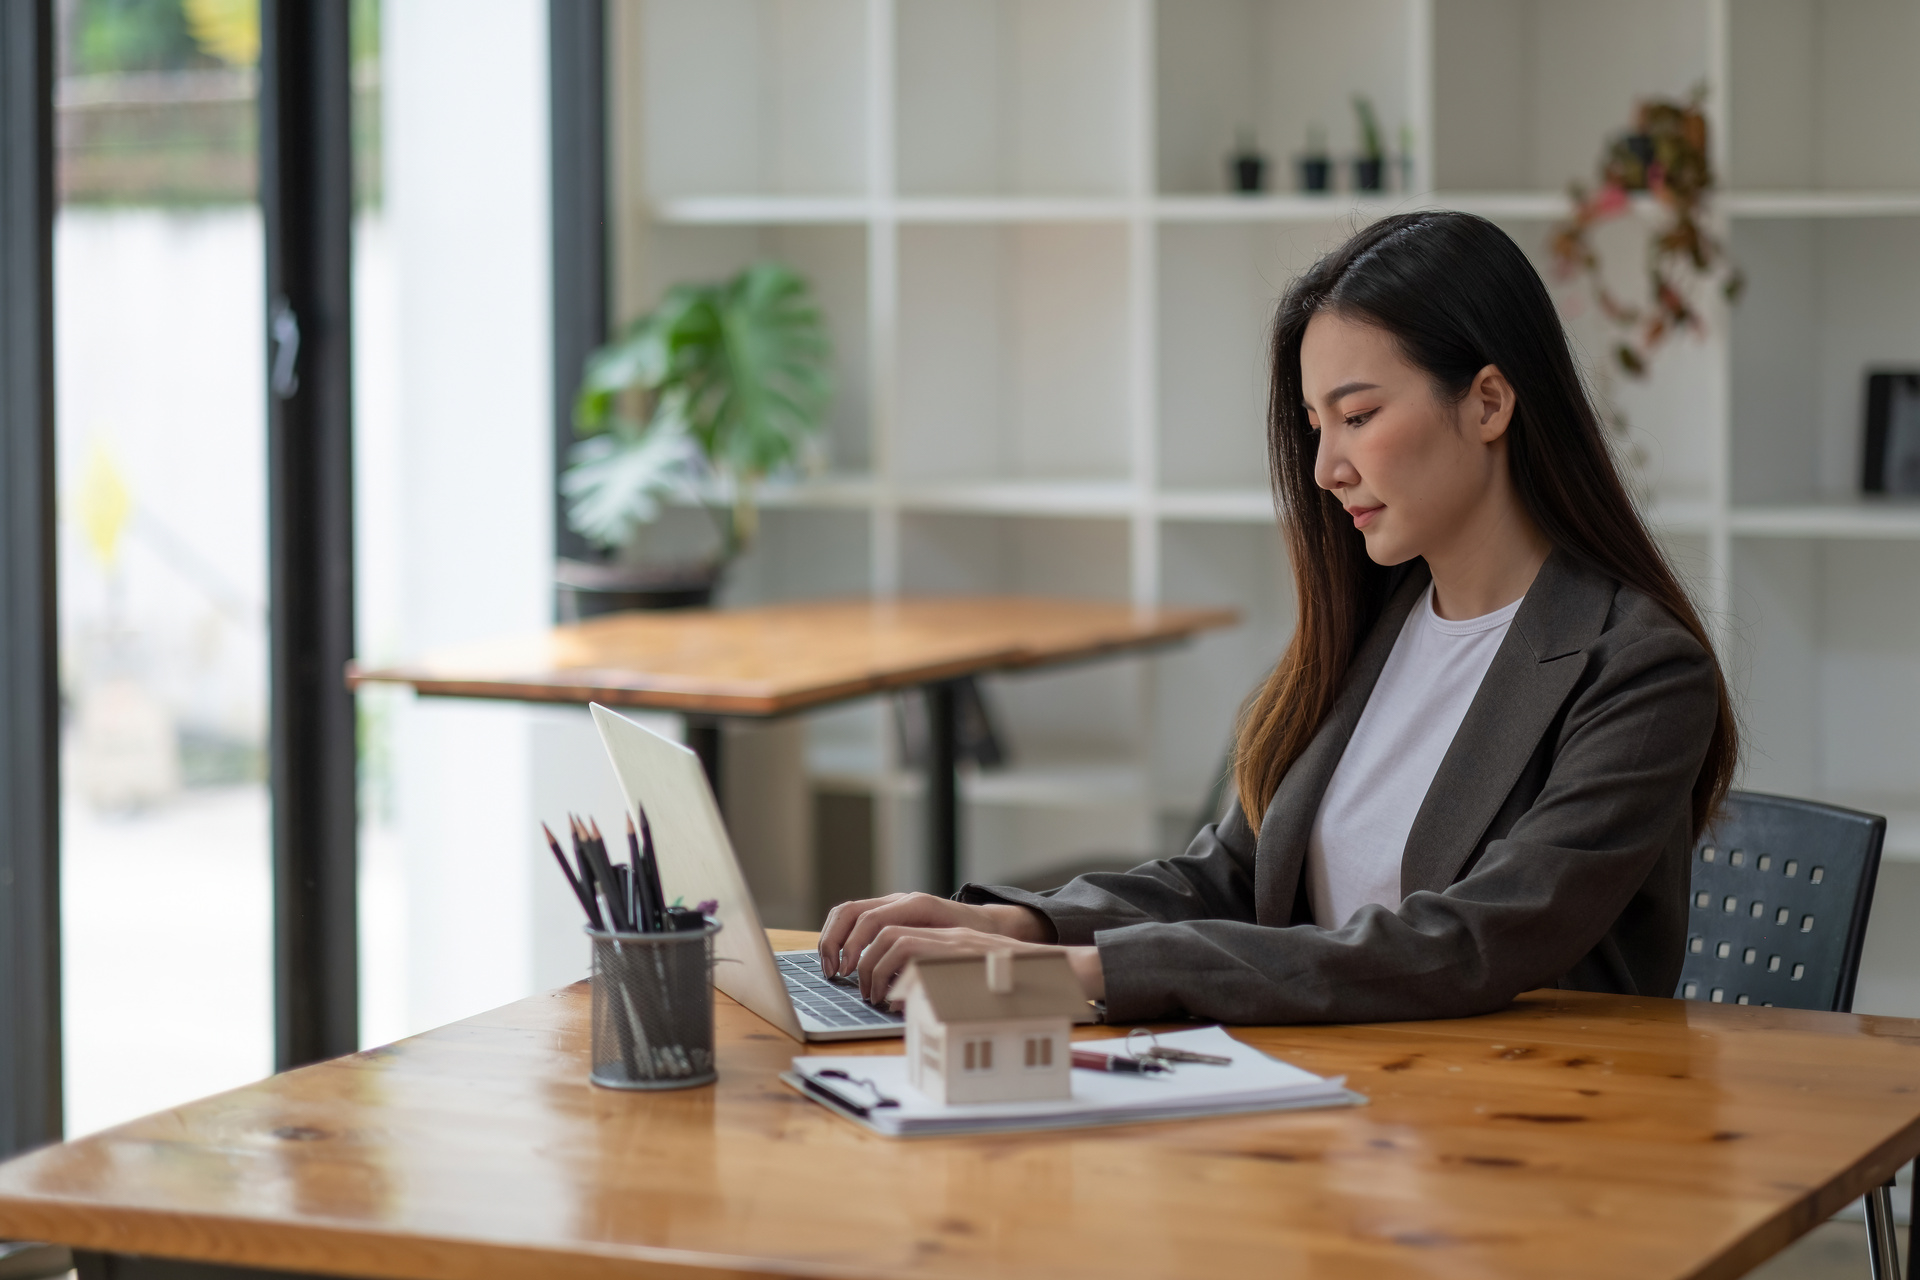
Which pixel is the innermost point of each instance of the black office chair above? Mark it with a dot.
(1781, 893)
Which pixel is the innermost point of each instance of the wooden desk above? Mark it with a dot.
(778, 659)
(1571, 1135)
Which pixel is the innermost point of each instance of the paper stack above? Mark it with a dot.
(873, 1091)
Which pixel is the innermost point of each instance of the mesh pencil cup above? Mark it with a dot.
(653, 1009)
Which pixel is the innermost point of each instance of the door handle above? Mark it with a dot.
(283, 336)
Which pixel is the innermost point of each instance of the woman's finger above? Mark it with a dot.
(895, 945)
(869, 955)
(841, 922)
(911, 910)
(891, 952)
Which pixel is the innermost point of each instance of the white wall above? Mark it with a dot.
(467, 181)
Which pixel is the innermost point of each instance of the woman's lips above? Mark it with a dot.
(1363, 516)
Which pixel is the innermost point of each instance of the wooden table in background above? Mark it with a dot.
(777, 659)
(1570, 1135)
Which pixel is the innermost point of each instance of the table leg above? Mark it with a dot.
(1883, 1249)
(703, 737)
(943, 786)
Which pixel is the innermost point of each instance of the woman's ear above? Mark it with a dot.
(1488, 406)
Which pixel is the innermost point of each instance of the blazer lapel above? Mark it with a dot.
(1282, 847)
(1536, 667)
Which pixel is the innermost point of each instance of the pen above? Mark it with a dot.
(1114, 1062)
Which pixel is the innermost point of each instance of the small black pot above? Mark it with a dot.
(1249, 173)
(1370, 175)
(1316, 173)
(588, 590)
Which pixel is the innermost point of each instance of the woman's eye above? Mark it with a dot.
(1360, 419)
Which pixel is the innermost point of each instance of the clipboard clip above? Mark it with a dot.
(859, 1109)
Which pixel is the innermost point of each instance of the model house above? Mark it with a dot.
(991, 1028)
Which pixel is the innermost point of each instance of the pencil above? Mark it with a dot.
(596, 857)
(573, 882)
(656, 898)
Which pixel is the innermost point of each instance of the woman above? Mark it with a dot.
(1482, 762)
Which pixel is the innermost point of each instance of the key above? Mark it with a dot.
(1186, 1055)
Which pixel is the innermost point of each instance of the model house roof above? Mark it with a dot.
(957, 990)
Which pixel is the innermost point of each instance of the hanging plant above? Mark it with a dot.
(1664, 155)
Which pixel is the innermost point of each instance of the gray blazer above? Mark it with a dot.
(1551, 849)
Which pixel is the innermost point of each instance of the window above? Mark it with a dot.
(1040, 1051)
(978, 1055)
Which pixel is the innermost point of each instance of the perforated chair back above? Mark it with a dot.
(1781, 892)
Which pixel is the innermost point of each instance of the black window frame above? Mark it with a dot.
(577, 96)
(306, 203)
(31, 1104)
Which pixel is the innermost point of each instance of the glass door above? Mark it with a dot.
(158, 298)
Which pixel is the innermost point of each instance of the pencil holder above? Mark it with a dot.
(653, 1009)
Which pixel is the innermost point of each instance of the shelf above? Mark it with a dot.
(778, 210)
(734, 211)
(1040, 209)
(990, 210)
(1120, 499)
(1331, 207)
(1821, 204)
(1111, 498)
(845, 492)
(1232, 506)
(728, 211)
(1854, 518)
(1541, 205)
(1102, 498)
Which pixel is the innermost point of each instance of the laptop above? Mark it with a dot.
(697, 863)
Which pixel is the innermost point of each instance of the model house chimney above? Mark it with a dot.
(1000, 972)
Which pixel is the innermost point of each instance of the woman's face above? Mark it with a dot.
(1416, 475)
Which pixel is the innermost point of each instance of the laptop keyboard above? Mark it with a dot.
(834, 1004)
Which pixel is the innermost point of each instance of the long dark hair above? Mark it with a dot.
(1458, 295)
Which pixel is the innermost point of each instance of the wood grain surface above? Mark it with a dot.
(779, 658)
(1570, 1135)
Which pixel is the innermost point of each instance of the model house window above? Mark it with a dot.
(1040, 1052)
(978, 1055)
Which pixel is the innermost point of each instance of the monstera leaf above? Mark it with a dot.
(718, 387)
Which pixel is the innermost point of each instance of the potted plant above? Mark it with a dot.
(699, 400)
(1370, 166)
(1246, 166)
(1316, 166)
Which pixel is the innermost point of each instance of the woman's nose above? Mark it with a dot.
(1331, 470)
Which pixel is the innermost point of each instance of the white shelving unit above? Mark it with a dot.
(1050, 316)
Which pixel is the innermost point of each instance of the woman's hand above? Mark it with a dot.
(852, 927)
(887, 955)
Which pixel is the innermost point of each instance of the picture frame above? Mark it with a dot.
(1892, 457)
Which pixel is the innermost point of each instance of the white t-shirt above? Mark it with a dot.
(1360, 833)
